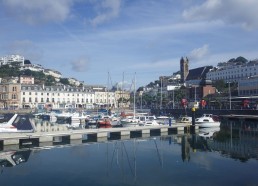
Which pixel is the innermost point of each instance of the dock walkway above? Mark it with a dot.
(51, 137)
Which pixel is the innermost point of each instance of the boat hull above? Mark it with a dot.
(208, 124)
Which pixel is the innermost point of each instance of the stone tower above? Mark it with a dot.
(184, 70)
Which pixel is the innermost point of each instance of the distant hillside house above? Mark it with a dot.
(16, 60)
(74, 81)
(32, 67)
(53, 73)
(29, 80)
(170, 80)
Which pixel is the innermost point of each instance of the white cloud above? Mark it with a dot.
(199, 53)
(108, 9)
(229, 11)
(36, 12)
(81, 65)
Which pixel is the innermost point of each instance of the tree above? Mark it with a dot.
(220, 85)
(64, 81)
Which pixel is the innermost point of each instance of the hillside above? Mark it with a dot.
(7, 72)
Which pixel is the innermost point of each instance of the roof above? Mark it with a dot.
(198, 73)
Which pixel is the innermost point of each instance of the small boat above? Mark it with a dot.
(130, 121)
(184, 119)
(104, 123)
(207, 120)
(164, 120)
(147, 120)
(8, 126)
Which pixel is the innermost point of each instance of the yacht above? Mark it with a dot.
(207, 120)
(17, 123)
(184, 119)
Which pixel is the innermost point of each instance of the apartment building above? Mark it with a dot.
(12, 59)
(234, 73)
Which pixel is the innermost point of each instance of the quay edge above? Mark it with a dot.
(85, 135)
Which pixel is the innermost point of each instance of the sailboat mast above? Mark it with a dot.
(134, 95)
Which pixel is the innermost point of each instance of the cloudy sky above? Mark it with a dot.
(87, 39)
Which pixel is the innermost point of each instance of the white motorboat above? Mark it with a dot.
(130, 121)
(8, 126)
(207, 120)
(147, 120)
(164, 120)
(184, 119)
(17, 123)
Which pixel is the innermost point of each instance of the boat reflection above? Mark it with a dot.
(13, 158)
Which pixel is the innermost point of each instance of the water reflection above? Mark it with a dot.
(140, 160)
(13, 158)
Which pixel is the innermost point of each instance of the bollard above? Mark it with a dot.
(193, 116)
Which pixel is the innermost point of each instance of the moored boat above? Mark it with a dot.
(17, 123)
(207, 120)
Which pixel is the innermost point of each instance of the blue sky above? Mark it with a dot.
(86, 39)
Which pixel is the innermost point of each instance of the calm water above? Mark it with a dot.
(230, 158)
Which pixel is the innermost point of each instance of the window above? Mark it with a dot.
(13, 96)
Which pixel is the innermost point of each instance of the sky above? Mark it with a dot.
(104, 42)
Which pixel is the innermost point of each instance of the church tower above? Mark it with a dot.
(184, 70)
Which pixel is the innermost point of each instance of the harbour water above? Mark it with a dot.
(225, 157)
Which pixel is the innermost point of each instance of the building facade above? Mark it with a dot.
(20, 95)
(10, 95)
(12, 59)
(234, 73)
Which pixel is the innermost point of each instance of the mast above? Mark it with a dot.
(134, 95)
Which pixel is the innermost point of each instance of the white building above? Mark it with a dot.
(74, 81)
(234, 72)
(32, 67)
(105, 98)
(248, 87)
(12, 59)
(35, 96)
(53, 73)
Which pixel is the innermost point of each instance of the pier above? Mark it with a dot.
(40, 138)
